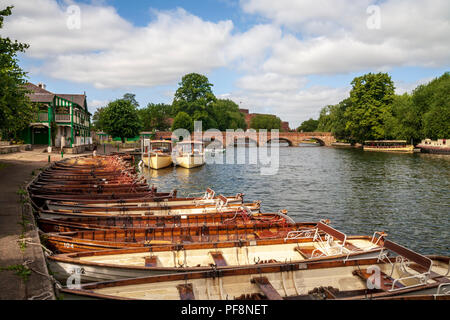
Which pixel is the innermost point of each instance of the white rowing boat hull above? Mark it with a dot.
(151, 204)
(158, 161)
(132, 265)
(158, 212)
(190, 161)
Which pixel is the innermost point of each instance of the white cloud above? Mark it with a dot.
(161, 53)
(298, 38)
(109, 52)
(402, 87)
(309, 17)
(97, 103)
(43, 24)
(270, 82)
(287, 97)
(248, 50)
(330, 56)
(335, 37)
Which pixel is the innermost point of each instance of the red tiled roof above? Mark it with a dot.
(79, 99)
(39, 94)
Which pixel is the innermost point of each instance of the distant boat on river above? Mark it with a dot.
(441, 146)
(396, 146)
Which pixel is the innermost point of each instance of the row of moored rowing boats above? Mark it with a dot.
(122, 239)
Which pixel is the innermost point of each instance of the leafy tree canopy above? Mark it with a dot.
(120, 119)
(264, 121)
(371, 99)
(431, 102)
(308, 125)
(183, 121)
(132, 98)
(156, 117)
(195, 97)
(195, 87)
(16, 111)
(227, 115)
(373, 112)
(97, 120)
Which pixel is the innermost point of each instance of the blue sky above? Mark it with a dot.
(287, 57)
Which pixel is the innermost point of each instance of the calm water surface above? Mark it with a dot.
(405, 195)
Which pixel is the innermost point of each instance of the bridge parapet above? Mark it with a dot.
(293, 138)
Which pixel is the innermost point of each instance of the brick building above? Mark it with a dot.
(249, 116)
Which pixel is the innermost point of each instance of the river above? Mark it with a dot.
(405, 195)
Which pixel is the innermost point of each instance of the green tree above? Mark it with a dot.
(370, 106)
(265, 121)
(183, 121)
(195, 97)
(195, 87)
(120, 119)
(324, 122)
(339, 120)
(404, 121)
(436, 122)
(16, 111)
(227, 115)
(132, 98)
(308, 125)
(97, 119)
(431, 103)
(156, 116)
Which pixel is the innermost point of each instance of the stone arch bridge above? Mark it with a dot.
(260, 139)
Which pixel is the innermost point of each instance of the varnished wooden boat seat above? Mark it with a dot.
(306, 252)
(433, 275)
(351, 247)
(385, 280)
(151, 261)
(186, 291)
(422, 261)
(266, 287)
(268, 234)
(218, 258)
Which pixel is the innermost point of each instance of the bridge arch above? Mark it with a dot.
(246, 140)
(319, 140)
(281, 139)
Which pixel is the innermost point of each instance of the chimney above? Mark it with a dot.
(41, 85)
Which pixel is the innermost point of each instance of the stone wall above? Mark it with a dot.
(12, 149)
(79, 149)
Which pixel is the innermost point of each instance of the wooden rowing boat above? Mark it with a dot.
(151, 211)
(67, 242)
(39, 200)
(207, 199)
(409, 274)
(139, 262)
(197, 220)
(100, 189)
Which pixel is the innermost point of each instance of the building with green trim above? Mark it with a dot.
(103, 137)
(63, 120)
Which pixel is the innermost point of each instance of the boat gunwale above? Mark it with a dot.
(91, 225)
(86, 289)
(72, 257)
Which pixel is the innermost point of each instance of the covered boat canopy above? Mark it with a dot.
(191, 146)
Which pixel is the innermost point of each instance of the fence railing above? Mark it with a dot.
(62, 117)
(42, 116)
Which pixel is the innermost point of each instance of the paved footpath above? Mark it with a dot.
(15, 175)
